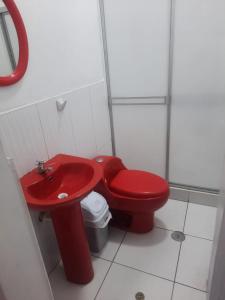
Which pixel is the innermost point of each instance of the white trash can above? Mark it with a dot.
(96, 217)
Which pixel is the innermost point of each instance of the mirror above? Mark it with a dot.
(13, 44)
(9, 48)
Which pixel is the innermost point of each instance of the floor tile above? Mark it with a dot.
(172, 215)
(123, 283)
(193, 267)
(186, 293)
(62, 289)
(115, 238)
(155, 253)
(200, 221)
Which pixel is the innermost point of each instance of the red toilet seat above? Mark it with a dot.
(138, 184)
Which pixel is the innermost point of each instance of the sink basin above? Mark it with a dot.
(68, 179)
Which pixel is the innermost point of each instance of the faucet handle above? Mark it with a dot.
(40, 162)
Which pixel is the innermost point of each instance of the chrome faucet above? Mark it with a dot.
(41, 169)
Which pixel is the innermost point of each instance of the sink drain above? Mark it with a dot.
(140, 296)
(178, 236)
(62, 196)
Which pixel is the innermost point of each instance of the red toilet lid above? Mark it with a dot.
(138, 184)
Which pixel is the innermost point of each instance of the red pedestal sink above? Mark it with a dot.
(68, 180)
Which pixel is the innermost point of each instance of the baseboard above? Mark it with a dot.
(197, 197)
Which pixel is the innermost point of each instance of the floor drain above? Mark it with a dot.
(140, 296)
(178, 236)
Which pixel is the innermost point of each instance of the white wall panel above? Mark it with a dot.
(22, 138)
(100, 111)
(57, 127)
(82, 122)
(198, 104)
(141, 136)
(138, 41)
(45, 234)
(22, 272)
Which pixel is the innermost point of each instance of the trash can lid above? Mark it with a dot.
(93, 206)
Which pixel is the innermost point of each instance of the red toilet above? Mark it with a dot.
(133, 196)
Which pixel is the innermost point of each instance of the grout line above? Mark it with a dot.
(98, 256)
(147, 273)
(91, 100)
(176, 270)
(110, 266)
(42, 129)
(103, 281)
(185, 216)
(198, 237)
(159, 277)
(194, 236)
(171, 298)
(94, 255)
(54, 268)
(124, 236)
(179, 252)
(191, 287)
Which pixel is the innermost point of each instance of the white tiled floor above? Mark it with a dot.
(124, 283)
(185, 293)
(64, 290)
(152, 263)
(194, 261)
(203, 228)
(172, 215)
(154, 253)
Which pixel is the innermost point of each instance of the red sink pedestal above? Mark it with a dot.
(59, 190)
(72, 241)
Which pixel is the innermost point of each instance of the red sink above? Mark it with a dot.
(68, 180)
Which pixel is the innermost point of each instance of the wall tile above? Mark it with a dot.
(57, 127)
(204, 198)
(82, 122)
(100, 114)
(22, 138)
(179, 194)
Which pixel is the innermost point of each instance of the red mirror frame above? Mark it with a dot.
(18, 73)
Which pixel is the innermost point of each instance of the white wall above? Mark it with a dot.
(22, 272)
(66, 60)
(65, 50)
(217, 268)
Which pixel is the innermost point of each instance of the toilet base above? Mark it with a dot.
(137, 223)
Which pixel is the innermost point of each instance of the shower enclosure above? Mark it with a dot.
(165, 67)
